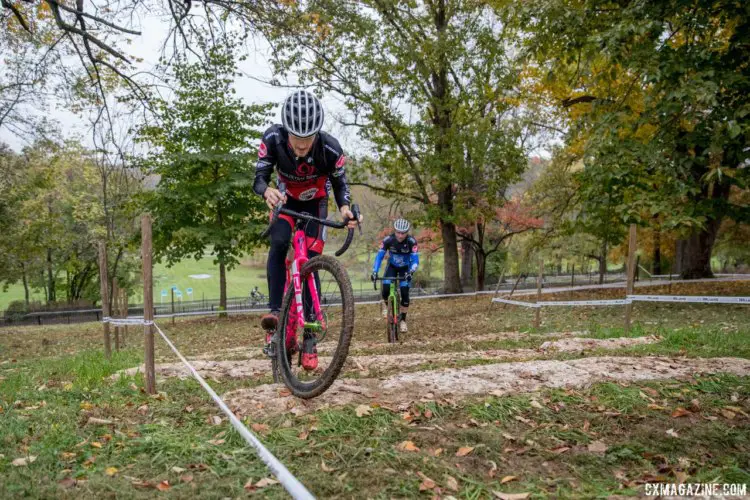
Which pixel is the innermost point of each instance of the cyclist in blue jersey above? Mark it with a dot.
(403, 260)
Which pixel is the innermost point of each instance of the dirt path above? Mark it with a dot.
(255, 368)
(496, 379)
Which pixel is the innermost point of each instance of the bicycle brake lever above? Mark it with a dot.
(356, 213)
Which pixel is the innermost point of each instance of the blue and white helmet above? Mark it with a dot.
(401, 225)
(302, 114)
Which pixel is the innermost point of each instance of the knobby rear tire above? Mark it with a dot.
(308, 390)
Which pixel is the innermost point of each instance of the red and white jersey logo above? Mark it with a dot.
(341, 161)
(262, 150)
(414, 249)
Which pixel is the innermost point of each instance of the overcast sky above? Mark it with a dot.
(256, 66)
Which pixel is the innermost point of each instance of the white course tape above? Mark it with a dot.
(614, 302)
(516, 302)
(126, 321)
(292, 485)
(689, 298)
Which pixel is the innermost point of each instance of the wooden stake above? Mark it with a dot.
(148, 302)
(632, 248)
(104, 290)
(538, 311)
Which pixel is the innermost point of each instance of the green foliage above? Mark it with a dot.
(433, 88)
(201, 150)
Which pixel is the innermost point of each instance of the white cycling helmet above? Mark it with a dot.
(401, 225)
(302, 114)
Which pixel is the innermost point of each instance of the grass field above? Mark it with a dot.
(92, 436)
(240, 280)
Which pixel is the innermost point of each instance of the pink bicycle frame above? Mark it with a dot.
(297, 313)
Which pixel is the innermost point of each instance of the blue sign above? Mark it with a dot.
(190, 291)
(174, 287)
(163, 293)
(178, 294)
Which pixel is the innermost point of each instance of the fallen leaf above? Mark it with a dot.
(217, 442)
(511, 496)
(427, 483)
(680, 412)
(695, 405)
(508, 479)
(142, 484)
(672, 433)
(428, 414)
(178, 470)
(189, 409)
(653, 406)
(436, 452)
(67, 455)
(110, 471)
(142, 410)
(325, 468)
(267, 481)
(96, 444)
(86, 405)
(728, 414)
(285, 392)
(536, 404)
(407, 446)
(303, 435)
(186, 478)
(215, 420)
(493, 469)
(464, 450)
(597, 447)
(451, 483)
(163, 486)
(362, 410)
(586, 425)
(133, 387)
(559, 450)
(24, 461)
(261, 428)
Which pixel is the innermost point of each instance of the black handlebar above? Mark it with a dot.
(279, 209)
(398, 277)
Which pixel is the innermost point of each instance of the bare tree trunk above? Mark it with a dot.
(657, 250)
(25, 285)
(223, 286)
(467, 262)
(603, 262)
(481, 270)
(52, 295)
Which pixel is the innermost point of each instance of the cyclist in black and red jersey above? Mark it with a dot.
(310, 163)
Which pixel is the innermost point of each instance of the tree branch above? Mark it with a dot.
(17, 14)
(572, 101)
(386, 190)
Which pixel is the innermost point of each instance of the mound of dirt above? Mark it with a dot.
(491, 379)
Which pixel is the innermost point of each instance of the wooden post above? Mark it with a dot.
(124, 313)
(104, 290)
(538, 312)
(497, 289)
(148, 302)
(116, 310)
(631, 274)
(173, 306)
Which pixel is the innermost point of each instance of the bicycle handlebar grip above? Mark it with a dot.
(276, 212)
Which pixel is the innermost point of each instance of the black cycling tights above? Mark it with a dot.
(281, 236)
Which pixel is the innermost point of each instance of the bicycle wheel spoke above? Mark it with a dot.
(328, 332)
